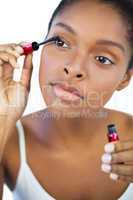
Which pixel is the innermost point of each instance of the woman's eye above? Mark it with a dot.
(60, 43)
(104, 60)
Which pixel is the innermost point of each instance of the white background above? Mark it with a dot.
(28, 21)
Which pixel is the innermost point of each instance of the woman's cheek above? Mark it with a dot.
(109, 87)
(103, 89)
(44, 79)
(48, 72)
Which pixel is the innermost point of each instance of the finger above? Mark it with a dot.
(1, 71)
(1, 75)
(116, 177)
(19, 49)
(118, 146)
(16, 48)
(122, 169)
(8, 58)
(2, 89)
(1, 68)
(5, 46)
(120, 157)
(128, 179)
(6, 67)
(125, 156)
(27, 71)
(7, 72)
(123, 146)
(12, 51)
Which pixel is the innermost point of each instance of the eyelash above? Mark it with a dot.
(57, 38)
(111, 62)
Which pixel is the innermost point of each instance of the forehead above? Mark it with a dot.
(91, 19)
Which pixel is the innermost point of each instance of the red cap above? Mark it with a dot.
(27, 48)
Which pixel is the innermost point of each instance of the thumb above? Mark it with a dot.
(27, 71)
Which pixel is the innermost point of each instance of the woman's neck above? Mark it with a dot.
(77, 131)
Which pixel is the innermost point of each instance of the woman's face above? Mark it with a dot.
(92, 56)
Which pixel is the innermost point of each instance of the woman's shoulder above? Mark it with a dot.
(33, 122)
(122, 116)
(35, 117)
(29, 122)
(119, 113)
(11, 154)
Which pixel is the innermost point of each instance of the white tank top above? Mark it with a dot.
(28, 187)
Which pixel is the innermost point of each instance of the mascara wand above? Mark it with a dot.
(34, 46)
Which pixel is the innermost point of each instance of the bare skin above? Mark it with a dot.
(66, 157)
(69, 150)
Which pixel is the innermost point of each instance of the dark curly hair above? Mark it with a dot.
(124, 7)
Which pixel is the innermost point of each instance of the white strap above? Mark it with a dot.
(22, 146)
(128, 194)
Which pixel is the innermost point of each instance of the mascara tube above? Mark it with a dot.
(112, 133)
(29, 48)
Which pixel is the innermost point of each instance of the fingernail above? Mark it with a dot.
(106, 158)
(109, 148)
(106, 168)
(114, 176)
(14, 64)
(19, 49)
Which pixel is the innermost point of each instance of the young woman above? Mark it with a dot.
(58, 153)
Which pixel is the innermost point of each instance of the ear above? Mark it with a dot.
(125, 82)
(131, 71)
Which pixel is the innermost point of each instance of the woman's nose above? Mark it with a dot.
(74, 72)
(77, 67)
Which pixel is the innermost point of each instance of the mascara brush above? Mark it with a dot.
(34, 46)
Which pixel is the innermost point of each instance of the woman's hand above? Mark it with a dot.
(118, 160)
(13, 94)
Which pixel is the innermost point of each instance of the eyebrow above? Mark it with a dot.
(111, 43)
(67, 27)
(102, 41)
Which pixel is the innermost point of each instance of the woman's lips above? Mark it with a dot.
(66, 93)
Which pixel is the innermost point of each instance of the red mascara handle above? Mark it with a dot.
(112, 133)
(27, 48)
(113, 137)
(30, 47)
